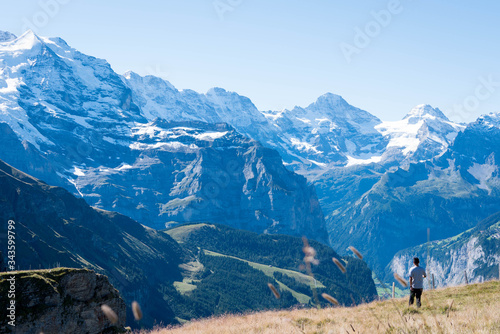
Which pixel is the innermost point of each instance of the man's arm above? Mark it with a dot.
(411, 281)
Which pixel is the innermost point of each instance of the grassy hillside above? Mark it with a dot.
(474, 309)
(277, 257)
(270, 271)
(228, 271)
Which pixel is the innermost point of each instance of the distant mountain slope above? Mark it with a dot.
(158, 98)
(424, 133)
(475, 251)
(6, 36)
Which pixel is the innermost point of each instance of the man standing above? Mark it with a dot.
(417, 275)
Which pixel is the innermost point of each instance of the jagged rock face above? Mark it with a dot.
(6, 36)
(474, 253)
(73, 122)
(62, 300)
(200, 172)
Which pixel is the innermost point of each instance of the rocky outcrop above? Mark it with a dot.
(61, 300)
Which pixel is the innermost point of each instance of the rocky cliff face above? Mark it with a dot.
(475, 253)
(61, 300)
(193, 172)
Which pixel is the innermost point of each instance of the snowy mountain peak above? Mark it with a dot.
(29, 37)
(339, 110)
(491, 120)
(329, 100)
(423, 133)
(27, 41)
(150, 80)
(6, 36)
(216, 91)
(424, 111)
(132, 76)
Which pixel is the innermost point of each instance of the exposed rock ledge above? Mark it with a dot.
(61, 300)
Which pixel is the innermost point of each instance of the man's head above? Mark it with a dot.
(416, 261)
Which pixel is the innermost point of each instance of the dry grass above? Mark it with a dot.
(474, 309)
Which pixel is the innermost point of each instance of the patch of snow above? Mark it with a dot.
(78, 172)
(124, 166)
(273, 116)
(210, 136)
(483, 172)
(402, 134)
(353, 161)
(175, 146)
(320, 164)
(73, 182)
(304, 120)
(303, 146)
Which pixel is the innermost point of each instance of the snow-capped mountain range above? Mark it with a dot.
(329, 132)
(161, 155)
(70, 120)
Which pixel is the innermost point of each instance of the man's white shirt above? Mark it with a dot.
(418, 274)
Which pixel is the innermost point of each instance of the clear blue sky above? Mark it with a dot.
(283, 53)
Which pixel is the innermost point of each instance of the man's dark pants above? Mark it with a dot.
(415, 293)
